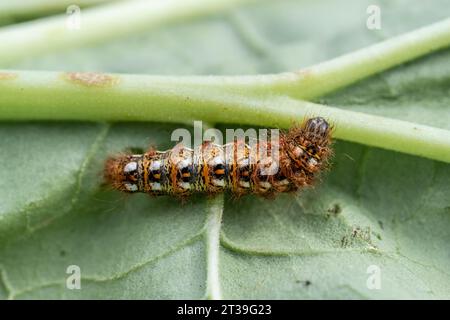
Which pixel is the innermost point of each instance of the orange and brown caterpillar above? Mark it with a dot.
(210, 168)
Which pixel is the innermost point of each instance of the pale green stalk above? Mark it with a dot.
(308, 83)
(98, 24)
(72, 96)
(263, 100)
(33, 8)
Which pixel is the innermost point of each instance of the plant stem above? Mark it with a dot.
(263, 100)
(33, 8)
(342, 71)
(101, 23)
(51, 34)
(29, 95)
(320, 79)
(323, 78)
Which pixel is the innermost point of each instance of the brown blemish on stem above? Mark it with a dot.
(92, 79)
(8, 76)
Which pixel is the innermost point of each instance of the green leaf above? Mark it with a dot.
(373, 207)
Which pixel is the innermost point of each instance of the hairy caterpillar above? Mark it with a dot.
(302, 152)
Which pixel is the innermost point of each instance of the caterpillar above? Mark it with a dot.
(301, 154)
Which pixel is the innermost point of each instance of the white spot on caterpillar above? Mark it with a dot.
(185, 185)
(244, 184)
(216, 160)
(155, 165)
(244, 163)
(265, 185)
(219, 183)
(298, 152)
(312, 162)
(283, 182)
(130, 167)
(184, 163)
(155, 186)
(131, 187)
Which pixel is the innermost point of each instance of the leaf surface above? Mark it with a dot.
(373, 208)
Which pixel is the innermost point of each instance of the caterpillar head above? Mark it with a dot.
(309, 144)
